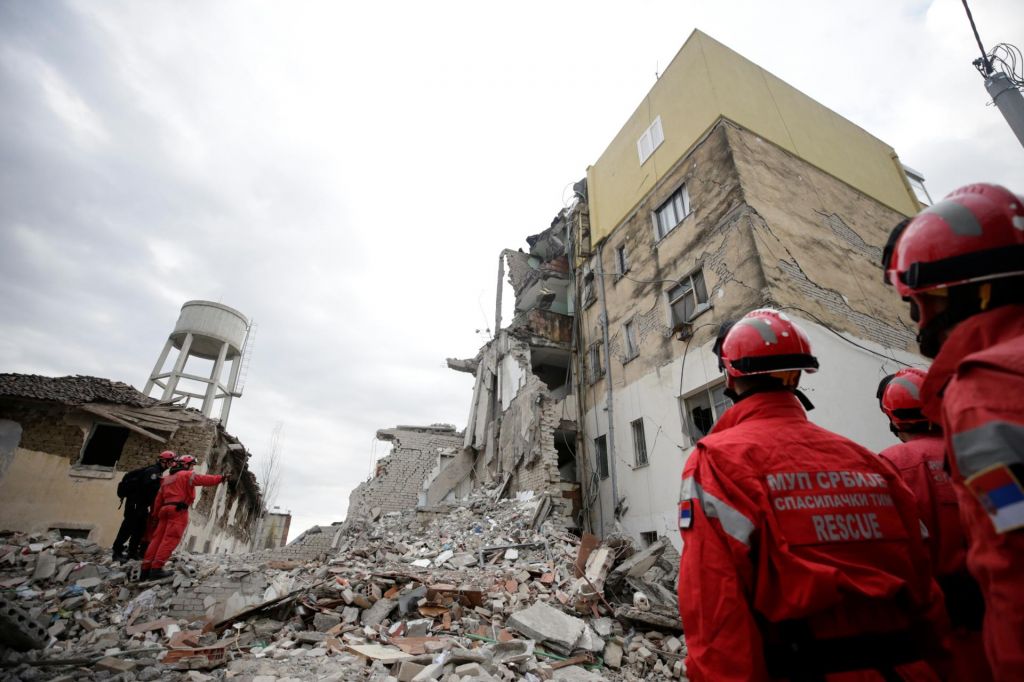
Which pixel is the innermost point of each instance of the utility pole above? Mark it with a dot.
(1003, 85)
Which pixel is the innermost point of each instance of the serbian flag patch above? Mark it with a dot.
(685, 514)
(1000, 492)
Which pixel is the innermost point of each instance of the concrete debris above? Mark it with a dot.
(474, 593)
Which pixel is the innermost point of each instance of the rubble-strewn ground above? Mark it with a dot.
(476, 593)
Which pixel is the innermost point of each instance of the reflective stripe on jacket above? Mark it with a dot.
(976, 387)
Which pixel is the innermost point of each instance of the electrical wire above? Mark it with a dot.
(852, 343)
(1010, 62)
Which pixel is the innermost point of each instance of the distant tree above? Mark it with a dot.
(269, 468)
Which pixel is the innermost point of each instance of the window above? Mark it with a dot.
(629, 331)
(601, 452)
(621, 260)
(687, 298)
(704, 408)
(78, 533)
(595, 370)
(104, 445)
(588, 286)
(650, 140)
(671, 213)
(649, 537)
(916, 181)
(192, 544)
(206, 547)
(639, 443)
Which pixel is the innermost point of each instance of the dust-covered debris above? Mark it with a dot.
(482, 591)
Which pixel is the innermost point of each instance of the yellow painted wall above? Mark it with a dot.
(705, 81)
(37, 493)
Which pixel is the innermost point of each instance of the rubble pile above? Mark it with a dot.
(489, 589)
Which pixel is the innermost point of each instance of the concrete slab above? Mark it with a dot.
(548, 625)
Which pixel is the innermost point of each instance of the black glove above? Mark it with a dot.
(180, 506)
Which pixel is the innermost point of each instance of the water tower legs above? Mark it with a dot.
(179, 366)
(225, 407)
(159, 366)
(211, 388)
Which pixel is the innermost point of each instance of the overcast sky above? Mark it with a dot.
(346, 174)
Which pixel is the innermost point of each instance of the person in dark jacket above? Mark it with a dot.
(137, 491)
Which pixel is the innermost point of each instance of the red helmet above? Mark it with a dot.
(899, 396)
(764, 341)
(975, 234)
(167, 456)
(186, 460)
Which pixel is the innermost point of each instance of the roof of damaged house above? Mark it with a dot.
(72, 390)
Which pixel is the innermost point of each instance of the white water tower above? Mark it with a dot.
(207, 331)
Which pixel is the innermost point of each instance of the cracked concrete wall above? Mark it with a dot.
(714, 238)
(766, 228)
(820, 242)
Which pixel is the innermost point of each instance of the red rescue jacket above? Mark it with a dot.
(921, 464)
(181, 487)
(785, 522)
(976, 388)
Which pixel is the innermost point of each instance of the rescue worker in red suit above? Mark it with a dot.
(802, 551)
(920, 461)
(176, 495)
(960, 264)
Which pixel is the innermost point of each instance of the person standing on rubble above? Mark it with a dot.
(137, 490)
(960, 264)
(176, 495)
(803, 554)
(920, 460)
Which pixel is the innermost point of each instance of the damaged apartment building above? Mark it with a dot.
(727, 190)
(66, 442)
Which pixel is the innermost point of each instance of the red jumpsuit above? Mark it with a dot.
(796, 539)
(921, 464)
(976, 387)
(176, 495)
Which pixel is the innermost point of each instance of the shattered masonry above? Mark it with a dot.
(492, 589)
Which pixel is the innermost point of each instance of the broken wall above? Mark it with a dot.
(400, 475)
(761, 222)
(820, 243)
(44, 486)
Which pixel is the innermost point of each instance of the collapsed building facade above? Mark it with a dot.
(66, 442)
(522, 427)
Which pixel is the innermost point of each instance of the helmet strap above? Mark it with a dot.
(770, 387)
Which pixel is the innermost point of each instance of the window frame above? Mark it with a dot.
(699, 306)
(589, 294)
(654, 136)
(706, 391)
(601, 463)
(639, 445)
(632, 343)
(621, 261)
(684, 199)
(595, 368)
